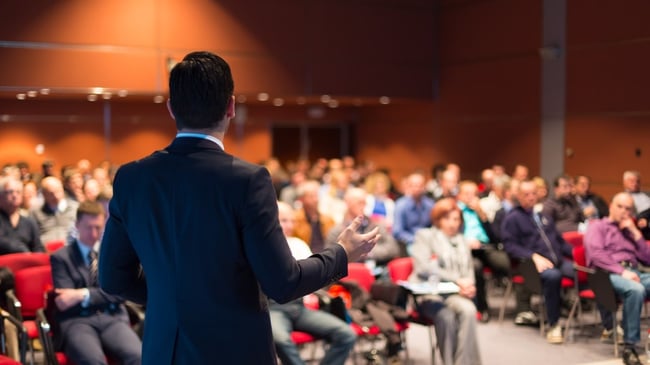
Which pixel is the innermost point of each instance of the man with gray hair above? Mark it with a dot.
(632, 185)
(17, 233)
(57, 215)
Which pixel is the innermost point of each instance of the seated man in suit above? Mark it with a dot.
(294, 316)
(91, 321)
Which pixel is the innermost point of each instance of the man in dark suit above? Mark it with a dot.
(90, 320)
(202, 227)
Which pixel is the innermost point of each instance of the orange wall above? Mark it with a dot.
(608, 118)
(282, 47)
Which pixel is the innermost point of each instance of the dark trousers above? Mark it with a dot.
(498, 261)
(551, 287)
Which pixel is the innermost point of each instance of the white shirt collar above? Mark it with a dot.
(203, 136)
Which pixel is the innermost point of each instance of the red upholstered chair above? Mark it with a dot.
(28, 296)
(581, 282)
(400, 269)
(573, 238)
(359, 273)
(18, 261)
(54, 245)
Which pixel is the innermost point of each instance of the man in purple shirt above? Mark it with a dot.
(616, 245)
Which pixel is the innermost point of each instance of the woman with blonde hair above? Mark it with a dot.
(379, 206)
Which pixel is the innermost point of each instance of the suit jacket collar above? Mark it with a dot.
(185, 145)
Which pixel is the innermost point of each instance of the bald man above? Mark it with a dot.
(615, 244)
(56, 217)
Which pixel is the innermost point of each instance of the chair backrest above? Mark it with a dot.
(574, 238)
(22, 260)
(360, 273)
(580, 259)
(31, 285)
(400, 268)
(54, 245)
(603, 289)
(531, 276)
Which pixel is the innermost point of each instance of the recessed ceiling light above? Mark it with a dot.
(21, 96)
(97, 90)
(45, 91)
(262, 96)
(107, 95)
(384, 100)
(278, 101)
(158, 99)
(32, 93)
(325, 98)
(333, 103)
(122, 93)
(92, 97)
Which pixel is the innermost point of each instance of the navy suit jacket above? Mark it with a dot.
(69, 270)
(204, 227)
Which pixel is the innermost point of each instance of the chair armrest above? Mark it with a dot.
(14, 305)
(135, 311)
(584, 269)
(45, 336)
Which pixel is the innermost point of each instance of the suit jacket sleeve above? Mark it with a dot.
(281, 277)
(118, 257)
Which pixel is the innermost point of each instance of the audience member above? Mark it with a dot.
(311, 226)
(412, 212)
(386, 248)
(73, 183)
(379, 206)
(491, 203)
(487, 179)
(30, 198)
(454, 316)
(289, 193)
(509, 202)
(17, 233)
(84, 168)
(91, 190)
(331, 195)
(520, 172)
(56, 216)
(542, 193)
(593, 206)
(293, 316)
(448, 185)
(93, 324)
(478, 235)
(563, 208)
(433, 187)
(530, 236)
(632, 185)
(614, 244)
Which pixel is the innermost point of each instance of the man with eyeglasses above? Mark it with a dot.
(615, 244)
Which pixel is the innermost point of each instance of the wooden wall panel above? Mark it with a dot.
(480, 31)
